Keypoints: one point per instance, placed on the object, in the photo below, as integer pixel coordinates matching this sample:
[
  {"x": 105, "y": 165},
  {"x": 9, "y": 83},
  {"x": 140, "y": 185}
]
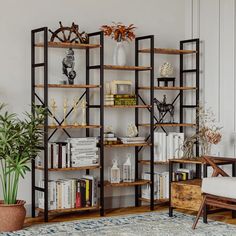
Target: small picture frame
[{"x": 121, "y": 87}]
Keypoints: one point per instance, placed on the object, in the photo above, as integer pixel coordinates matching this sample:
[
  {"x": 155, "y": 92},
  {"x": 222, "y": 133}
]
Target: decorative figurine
[
  {"x": 65, "y": 106},
  {"x": 166, "y": 70},
  {"x": 83, "y": 107},
  {"x": 115, "y": 173},
  {"x": 75, "y": 111},
  {"x": 53, "y": 107},
  {"x": 69, "y": 63},
  {"x": 127, "y": 170},
  {"x": 163, "y": 108},
  {"x": 132, "y": 131},
  {"x": 166, "y": 74}
]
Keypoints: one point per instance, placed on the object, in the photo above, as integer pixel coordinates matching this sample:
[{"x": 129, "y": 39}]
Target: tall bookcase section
[
  {"x": 50, "y": 130},
  {"x": 156, "y": 123},
  {"x": 138, "y": 182}
]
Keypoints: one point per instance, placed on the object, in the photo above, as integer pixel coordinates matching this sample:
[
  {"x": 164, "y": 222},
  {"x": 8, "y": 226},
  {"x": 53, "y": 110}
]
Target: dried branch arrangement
[{"x": 119, "y": 31}]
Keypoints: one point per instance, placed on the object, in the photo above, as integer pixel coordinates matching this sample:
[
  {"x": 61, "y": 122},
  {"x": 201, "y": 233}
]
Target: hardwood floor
[{"x": 220, "y": 216}]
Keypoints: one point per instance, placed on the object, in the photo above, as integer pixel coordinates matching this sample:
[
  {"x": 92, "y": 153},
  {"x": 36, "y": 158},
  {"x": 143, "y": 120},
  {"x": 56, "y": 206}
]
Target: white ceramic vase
[{"x": 119, "y": 56}]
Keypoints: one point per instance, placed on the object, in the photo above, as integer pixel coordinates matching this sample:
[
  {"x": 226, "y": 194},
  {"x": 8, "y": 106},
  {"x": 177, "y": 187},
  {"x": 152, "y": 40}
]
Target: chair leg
[{"x": 199, "y": 212}]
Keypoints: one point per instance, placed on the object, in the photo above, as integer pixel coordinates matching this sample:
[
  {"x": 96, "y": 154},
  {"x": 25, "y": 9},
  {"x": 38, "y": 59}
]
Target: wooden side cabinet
[{"x": 186, "y": 194}]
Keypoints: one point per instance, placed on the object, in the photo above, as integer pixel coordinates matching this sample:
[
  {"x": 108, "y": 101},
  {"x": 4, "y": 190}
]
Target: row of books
[
  {"x": 161, "y": 185},
  {"x": 182, "y": 174},
  {"x": 83, "y": 151},
  {"x": 74, "y": 152},
  {"x": 70, "y": 193},
  {"x": 168, "y": 146},
  {"x": 120, "y": 99}
]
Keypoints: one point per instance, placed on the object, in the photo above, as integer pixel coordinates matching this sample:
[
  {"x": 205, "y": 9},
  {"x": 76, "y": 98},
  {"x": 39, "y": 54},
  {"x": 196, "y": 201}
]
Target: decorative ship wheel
[{"x": 68, "y": 34}]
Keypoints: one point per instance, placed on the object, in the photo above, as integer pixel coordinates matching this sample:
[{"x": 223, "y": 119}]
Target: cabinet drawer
[{"x": 186, "y": 194}]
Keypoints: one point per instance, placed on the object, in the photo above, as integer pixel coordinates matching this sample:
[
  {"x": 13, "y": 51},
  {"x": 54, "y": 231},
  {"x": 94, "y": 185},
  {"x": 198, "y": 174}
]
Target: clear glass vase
[
  {"x": 206, "y": 149},
  {"x": 119, "y": 55}
]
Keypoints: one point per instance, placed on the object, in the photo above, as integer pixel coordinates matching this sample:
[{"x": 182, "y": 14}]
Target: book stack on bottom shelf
[
  {"x": 70, "y": 193},
  {"x": 182, "y": 174},
  {"x": 161, "y": 186}
]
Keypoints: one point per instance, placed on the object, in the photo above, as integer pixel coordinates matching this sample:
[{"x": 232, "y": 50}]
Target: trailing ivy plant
[{"x": 20, "y": 141}]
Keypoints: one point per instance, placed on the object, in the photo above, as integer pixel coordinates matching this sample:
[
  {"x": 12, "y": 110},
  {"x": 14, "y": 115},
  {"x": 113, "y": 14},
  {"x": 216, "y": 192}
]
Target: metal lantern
[
  {"x": 115, "y": 173},
  {"x": 127, "y": 170}
]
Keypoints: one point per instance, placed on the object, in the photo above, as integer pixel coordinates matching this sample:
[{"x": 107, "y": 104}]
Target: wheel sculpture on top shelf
[{"x": 66, "y": 34}]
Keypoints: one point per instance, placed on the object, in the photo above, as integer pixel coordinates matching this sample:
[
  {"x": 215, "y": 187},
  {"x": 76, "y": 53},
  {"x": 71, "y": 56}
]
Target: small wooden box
[{"x": 186, "y": 194}]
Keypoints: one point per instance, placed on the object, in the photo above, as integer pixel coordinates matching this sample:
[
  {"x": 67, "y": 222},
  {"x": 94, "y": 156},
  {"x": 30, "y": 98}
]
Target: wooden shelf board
[
  {"x": 167, "y": 88},
  {"x": 69, "y": 209},
  {"x": 68, "y": 86},
  {"x": 169, "y": 125},
  {"x": 147, "y": 162},
  {"x": 198, "y": 160},
  {"x": 157, "y": 201},
  {"x": 194, "y": 182},
  {"x": 114, "y": 67},
  {"x": 126, "y": 184},
  {"x": 71, "y": 168},
  {"x": 127, "y": 106},
  {"x": 128, "y": 145},
  {"x": 68, "y": 45},
  {"x": 170, "y": 51},
  {"x": 73, "y": 126}
]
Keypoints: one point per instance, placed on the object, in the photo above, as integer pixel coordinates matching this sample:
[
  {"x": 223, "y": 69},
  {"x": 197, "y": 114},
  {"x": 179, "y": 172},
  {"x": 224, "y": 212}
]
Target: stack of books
[
  {"x": 168, "y": 146},
  {"x": 133, "y": 140},
  {"x": 110, "y": 138},
  {"x": 70, "y": 193},
  {"x": 83, "y": 151},
  {"x": 125, "y": 100},
  {"x": 182, "y": 174},
  {"x": 161, "y": 185},
  {"x": 109, "y": 99}
]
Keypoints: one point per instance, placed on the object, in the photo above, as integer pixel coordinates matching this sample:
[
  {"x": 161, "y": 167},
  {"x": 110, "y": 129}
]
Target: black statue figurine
[{"x": 68, "y": 63}]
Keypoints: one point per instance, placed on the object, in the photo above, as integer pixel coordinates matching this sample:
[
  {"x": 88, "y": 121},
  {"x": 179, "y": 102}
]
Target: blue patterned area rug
[{"x": 147, "y": 224}]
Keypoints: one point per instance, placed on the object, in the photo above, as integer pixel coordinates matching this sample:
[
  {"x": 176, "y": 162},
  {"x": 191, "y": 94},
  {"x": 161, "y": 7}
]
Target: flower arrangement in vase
[
  {"x": 209, "y": 133},
  {"x": 120, "y": 33}
]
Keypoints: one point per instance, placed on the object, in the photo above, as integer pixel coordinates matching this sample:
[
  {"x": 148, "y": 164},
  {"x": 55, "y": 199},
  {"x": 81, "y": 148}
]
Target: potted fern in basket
[{"x": 19, "y": 143}]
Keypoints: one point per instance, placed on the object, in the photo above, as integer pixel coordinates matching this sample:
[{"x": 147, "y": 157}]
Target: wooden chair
[{"x": 217, "y": 191}]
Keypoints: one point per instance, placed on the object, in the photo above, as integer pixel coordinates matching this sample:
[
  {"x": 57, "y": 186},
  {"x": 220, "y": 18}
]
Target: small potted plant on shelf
[
  {"x": 19, "y": 143},
  {"x": 120, "y": 33}
]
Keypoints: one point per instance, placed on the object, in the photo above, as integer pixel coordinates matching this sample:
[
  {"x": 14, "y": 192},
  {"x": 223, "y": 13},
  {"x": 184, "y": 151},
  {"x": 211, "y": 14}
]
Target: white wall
[
  {"x": 163, "y": 18},
  {"x": 214, "y": 22}
]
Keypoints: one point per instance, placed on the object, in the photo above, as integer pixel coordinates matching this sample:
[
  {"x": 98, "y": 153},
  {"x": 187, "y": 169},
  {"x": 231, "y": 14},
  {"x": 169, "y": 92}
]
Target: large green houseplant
[{"x": 20, "y": 140}]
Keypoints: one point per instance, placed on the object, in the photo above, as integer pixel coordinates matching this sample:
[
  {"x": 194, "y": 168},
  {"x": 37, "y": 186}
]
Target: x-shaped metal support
[{"x": 58, "y": 122}]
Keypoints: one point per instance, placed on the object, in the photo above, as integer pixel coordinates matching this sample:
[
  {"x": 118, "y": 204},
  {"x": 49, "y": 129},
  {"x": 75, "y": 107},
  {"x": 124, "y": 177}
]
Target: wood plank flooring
[{"x": 220, "y": 216}]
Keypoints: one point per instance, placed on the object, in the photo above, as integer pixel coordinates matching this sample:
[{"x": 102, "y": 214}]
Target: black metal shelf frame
[
  {"x": 150, "y": 38},
  {"x": 183, "y": 72},
  {"x": 44, "y": 103}
]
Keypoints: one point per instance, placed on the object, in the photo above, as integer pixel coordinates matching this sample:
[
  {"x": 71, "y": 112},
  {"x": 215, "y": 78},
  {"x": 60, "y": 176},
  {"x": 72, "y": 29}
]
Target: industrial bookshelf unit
[
  {"x": 158, "y": 123},
  {"x": 140, "y": 104},
  {"x": 35, "y": 98}
]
